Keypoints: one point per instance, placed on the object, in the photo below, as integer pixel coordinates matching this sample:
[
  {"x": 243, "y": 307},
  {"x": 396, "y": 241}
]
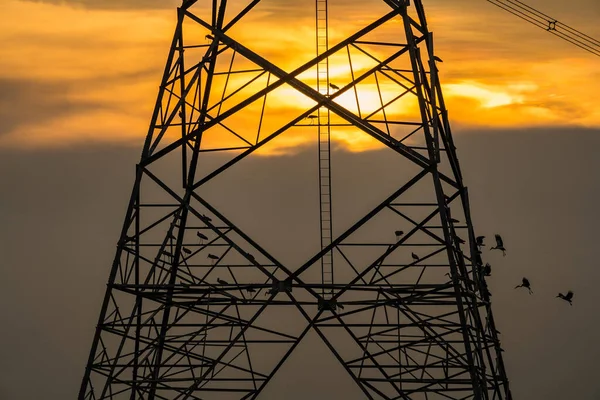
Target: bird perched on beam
[
  {"x": 186, "y": 250},
  {"x": 526, "y": 284},
  {"x": 499, "y": 244},
  {"x": 398, "y": 234},
  {"x": 415, "y": 257},
  {"x": 479, "y": 241},
  {"x": 201, "y": 236},
  {"x": 334, "y": 87},
  {"x": 487, "y": 269},
  {"x": 566, "y": 297},
  {"x": 222, "y": 282},
  {"x": 213, "y": 257}
]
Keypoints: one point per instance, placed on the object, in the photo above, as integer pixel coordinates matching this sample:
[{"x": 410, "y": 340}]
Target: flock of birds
[
  {"x": 487, "y": 268},
  {"x": 525, "y": 283}
]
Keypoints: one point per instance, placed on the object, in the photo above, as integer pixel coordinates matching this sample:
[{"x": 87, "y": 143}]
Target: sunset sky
[
  {"x": 78, "y": 83},
  {"x": 88, "y": 71}
]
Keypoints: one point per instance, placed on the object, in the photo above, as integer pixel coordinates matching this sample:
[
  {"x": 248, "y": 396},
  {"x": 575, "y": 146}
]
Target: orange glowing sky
[{"x": 75, "y": 73}]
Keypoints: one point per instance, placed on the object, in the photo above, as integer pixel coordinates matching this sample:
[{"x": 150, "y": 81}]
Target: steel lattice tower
[{"x": 191, "y": 307}]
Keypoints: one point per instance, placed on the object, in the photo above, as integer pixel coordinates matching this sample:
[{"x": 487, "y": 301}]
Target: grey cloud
[
  {"x": 61, "y": 212},
  {"x": 25, "y": 102},
  {"x": 114, "y": 4}
]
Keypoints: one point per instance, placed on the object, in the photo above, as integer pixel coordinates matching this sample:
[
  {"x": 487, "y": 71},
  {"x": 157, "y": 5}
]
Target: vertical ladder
[{"x": 324, "y": 128}]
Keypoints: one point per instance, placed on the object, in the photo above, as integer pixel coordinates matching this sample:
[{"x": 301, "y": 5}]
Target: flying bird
[
  {"x": 398, "y": 234},
  {"x": 566, "y": 297},
  {"x": 334, "y": 87},
  {"x": 499, "y": 244},
  {"x": 526, "y": 284},
  {"x": 415, "y": 257},
  {"x": 213, "y": 257},
  {"x": 222, "y": 282},
  {"x": 487, "y": 269},
  {"x": 479, "y": 241}
]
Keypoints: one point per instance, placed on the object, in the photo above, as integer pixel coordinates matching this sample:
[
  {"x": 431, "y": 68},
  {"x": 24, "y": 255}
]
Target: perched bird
[
  {"x": 222, "y": 282},
  {"x": 166, "y": 253},
  {"x": 340, "y": 305},
  {"x": 213, "y": 257},
  {"x": 334, "y": 87},
  {"x": 250, "y": 256},
  {"x": 205, "y": 218},
  {"x": 454, "y": 220},
  {"x": 566, "y": 297},
  {"x": 209, "y": 37},
  {"x": 251, "y": 289},
  {"x": 499, "y": 244},
  {"x": 436, "y": 58},
  {"x": 398, "y": 234},
  {"x": 487, "y": 269},
  {"x": 201, "y": 236},
  {"x": 415, "y": 257},
  {"x": 526, "y": 284},
  {"x": 270, "y": 291},
  {"x": 460, "y": 240},
  {"x": 478, "y": 259},
  {"x": 479, "y": 241},
  {"x": 186, "y": 250}
]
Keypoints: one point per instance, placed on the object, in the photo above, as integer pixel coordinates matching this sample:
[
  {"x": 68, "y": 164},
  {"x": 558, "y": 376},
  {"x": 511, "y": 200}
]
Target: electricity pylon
[{"x": 197, "y": 308}]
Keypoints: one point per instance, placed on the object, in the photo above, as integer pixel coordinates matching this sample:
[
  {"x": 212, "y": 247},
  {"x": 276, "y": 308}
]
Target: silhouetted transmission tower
[{"x": 196, "y": 308}]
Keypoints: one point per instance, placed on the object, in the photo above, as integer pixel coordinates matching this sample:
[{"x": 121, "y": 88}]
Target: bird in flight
[
  {"x": 567, "y": 297},
  {"x": 526, "y": 284},
  {"x": 499, "y": 244}
]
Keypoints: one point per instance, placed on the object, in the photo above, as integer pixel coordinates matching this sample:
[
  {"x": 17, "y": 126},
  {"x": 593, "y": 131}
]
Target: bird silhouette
[
  {"x": 526, "y": 284},
  {"x": 251, "y": 289},
  {"x": 454, "y": 220},
  {"x": 209, "y": 37},
  {"x": 460, "y": 240},
  {"x": 436, "y": 58},
  {"x": 567, "y": 297},
  {"x": 487, "y": 269},
  {"x": 201, "y": 236},
  {"x": 479, "y": 241},
  {"x": 186, "y": 250},
  {"x": 222, "y": 282},
  {"x": 340, "y": 305},
  {"x": 398, "y": 234},
  {"x": 213, "y": 257},
  {"x": 250, "y": 256},
  {"x": 334, "y": 87},
  {"x": 499, "y": 244},
  {"x": 415, "y": 257},
  {"x": 205, "y": 218}
]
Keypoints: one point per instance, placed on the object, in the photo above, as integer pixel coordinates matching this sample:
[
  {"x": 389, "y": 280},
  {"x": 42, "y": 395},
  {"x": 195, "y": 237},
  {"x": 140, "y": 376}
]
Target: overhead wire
[{"x": 549, "y": 24}]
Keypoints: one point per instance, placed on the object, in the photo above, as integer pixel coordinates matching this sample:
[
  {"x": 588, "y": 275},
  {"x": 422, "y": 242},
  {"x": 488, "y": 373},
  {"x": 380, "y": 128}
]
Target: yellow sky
[{"x": 77, "y": 74}]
